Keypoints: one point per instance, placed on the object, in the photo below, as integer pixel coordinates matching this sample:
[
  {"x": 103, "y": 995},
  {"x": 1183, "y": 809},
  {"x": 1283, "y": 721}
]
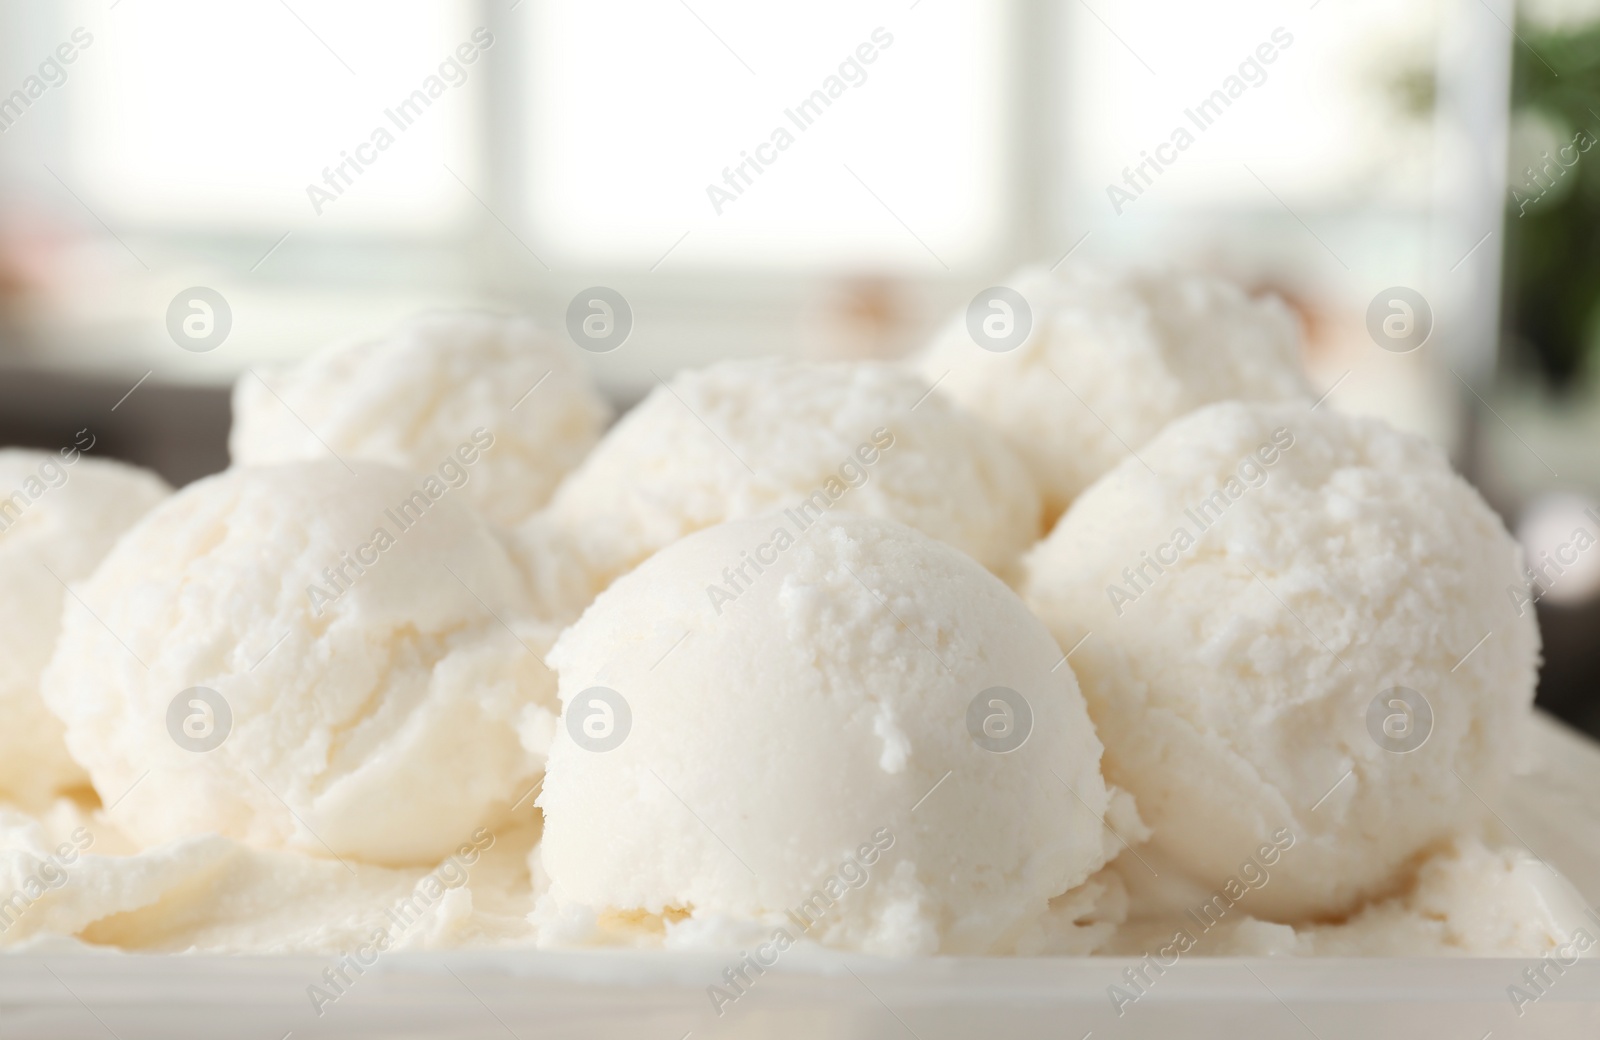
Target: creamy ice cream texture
[
  {"x": 410, "y": 398},
  {"x": 739, "y": 439},
  {"x": 798, "y": 705},
  {"x": 1469, "y": 899},
  {"x": 60, "y": 513},
  {"x": 306, "y": 657},
  {"x": 1110, "y": 360},
  {"x": 69, "y": 872},
  {"x": 838, "y": 694},
  {"x": 1293, "y": 626}
]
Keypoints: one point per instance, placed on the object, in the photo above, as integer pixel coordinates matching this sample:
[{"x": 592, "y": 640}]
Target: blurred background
[{"x": 327, "y": 168}]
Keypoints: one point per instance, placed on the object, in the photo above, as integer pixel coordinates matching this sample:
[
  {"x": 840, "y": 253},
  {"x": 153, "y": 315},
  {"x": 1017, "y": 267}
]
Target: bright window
[
  {"x": 195, "y": 115},
  {"x": 825, "y": 135}
]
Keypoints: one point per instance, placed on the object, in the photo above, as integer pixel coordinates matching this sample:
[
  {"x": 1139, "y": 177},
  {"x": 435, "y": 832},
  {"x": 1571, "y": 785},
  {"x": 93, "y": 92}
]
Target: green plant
[{"x": 1552, "y": 260}]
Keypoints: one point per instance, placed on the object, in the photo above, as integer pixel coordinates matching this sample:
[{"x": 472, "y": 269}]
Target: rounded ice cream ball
[
  {"x": 1298, "y": 644},
  {"x": 331, "y": 660},
  {"x": 743, "y": 438},
  {"x": 441, "y": 387},
  {"x": 864, "y": 738},
  {"x": 1108, "y": 360},
  {"x": 60, "y": 513}
]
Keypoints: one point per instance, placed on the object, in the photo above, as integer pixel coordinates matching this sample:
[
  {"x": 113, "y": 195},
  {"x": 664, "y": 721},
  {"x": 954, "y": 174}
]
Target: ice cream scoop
[
  {"x": 60, "y": 513},
  {"x": 738, "y": 439},
  {"x": 307, "y": 656},
  {"x": 409, "y": 399},
  {"x": 1294, "y": 633},
  {"x": 866, "y": 741},
  {"x": 1080, "y": 367}
]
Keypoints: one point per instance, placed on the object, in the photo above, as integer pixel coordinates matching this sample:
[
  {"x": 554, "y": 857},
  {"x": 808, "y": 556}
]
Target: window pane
[
  {"x": 641, "y": 113},
  {"x": 219, "y": 116},
  {"x": 1309, "y": 99}
]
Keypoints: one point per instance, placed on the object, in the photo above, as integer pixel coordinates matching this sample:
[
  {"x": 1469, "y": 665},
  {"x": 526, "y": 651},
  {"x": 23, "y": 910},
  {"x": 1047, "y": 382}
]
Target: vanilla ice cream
[
  {"x": 310, "y": 657},
  {"x": 1108, "y": 361},
  {"x": 1294, "y": 635},
  {"x": 70, "y": 873},
  {"x": 863, "y": 740},
  {"x": 1470, "y": 899},
  {"x": 60, "y": 513},
  {"x": 558, "y": 577},
  {"x": 1254, "y": 694},
  {"x": 739, "y": 439},
  {"x": 410, "y": 400}
]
